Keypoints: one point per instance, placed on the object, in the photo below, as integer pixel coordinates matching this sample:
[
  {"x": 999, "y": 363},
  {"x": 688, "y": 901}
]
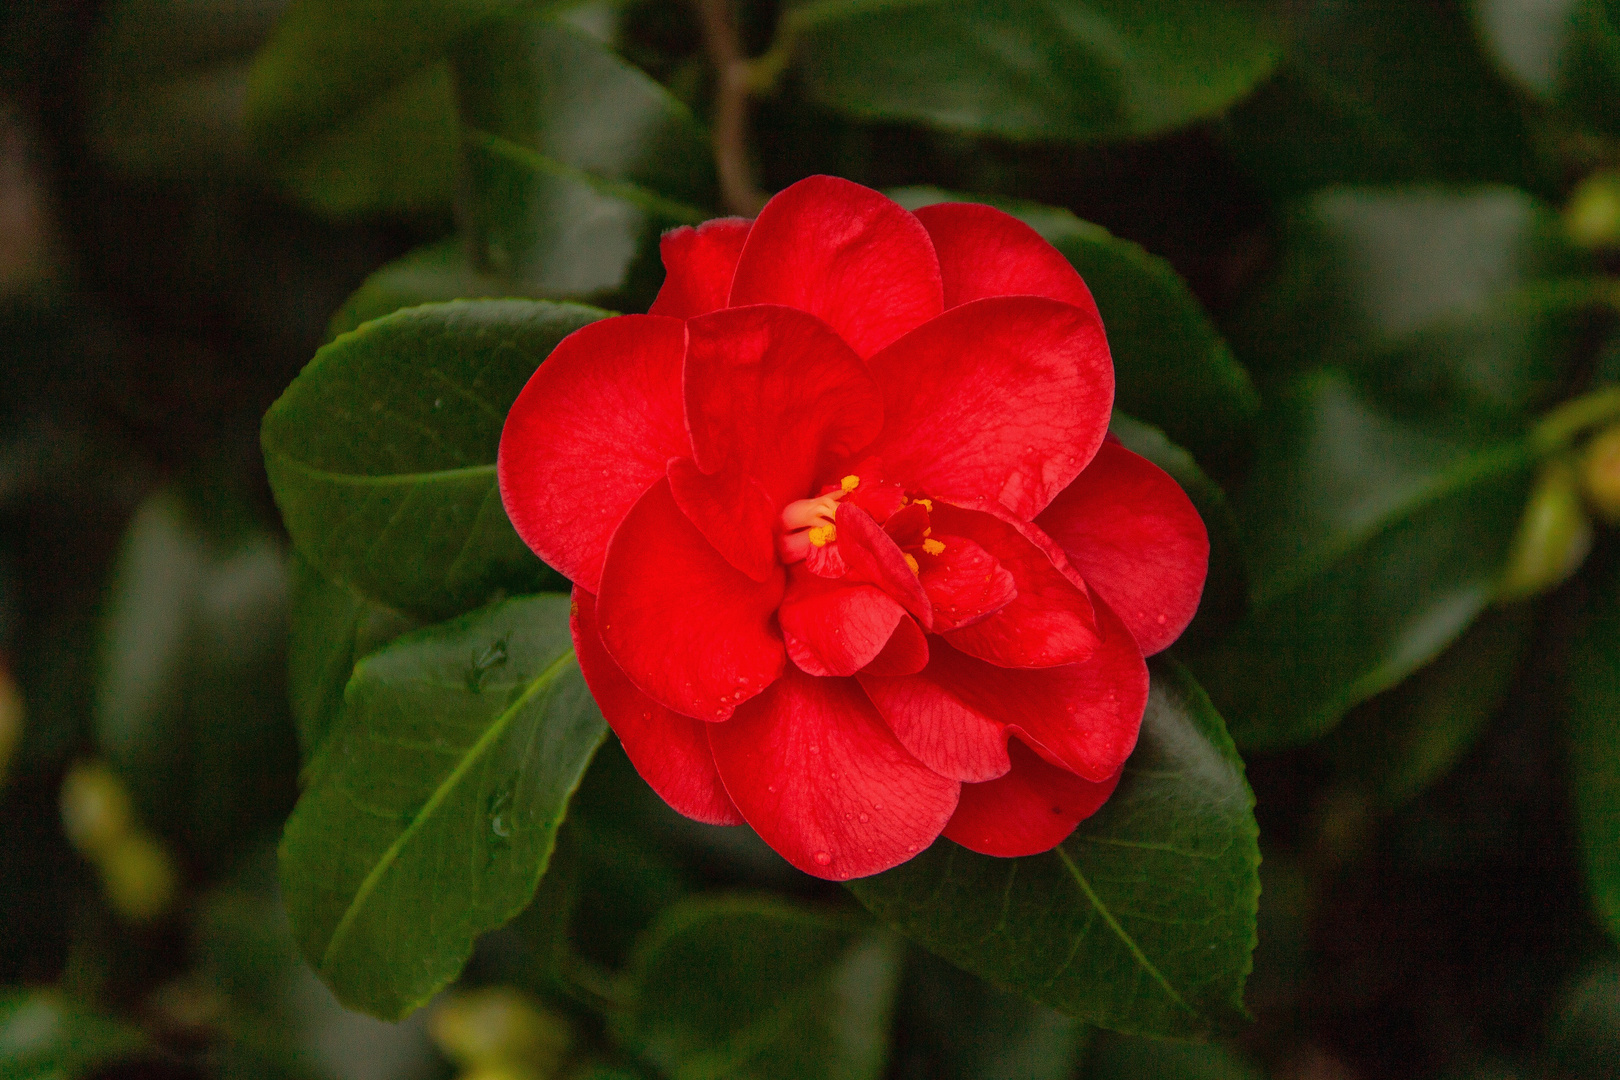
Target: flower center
[{"x": 812, "y": 523}]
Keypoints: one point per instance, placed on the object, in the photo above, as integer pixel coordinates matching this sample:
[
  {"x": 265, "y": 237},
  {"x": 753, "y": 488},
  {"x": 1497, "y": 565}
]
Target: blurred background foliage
[{"x": 1358, "y": 263}]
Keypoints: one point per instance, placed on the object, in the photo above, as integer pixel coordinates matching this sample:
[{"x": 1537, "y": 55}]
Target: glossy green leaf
[
  {"x": 1143, "y": 920},
  {"x": 1471, "y": 297},
  {"x": 1594, "y": 732},
  {"x": 191, "y": 698},
  {"x": 1564, "y": 51},
  {"x": 576, "y": 162},
  {"x": 1381, "y": 92},
  {"x": 44, "y": 1035},
  {"x": 1373, "y": 542},
  {"x": 332, "y": 628},
  {"x": 1399, "y": 743},
  {"x": 1171, "y": 367},
  {"x": 1026, "y": 69},
  {"x": 431, "y": 274},
  {"x": 433, "y": 811},
  {"x": 382, "y": 452},
  {"x": 757, "y": 989}
]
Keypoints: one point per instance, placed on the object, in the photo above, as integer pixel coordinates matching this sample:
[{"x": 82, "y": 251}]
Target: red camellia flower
[{"x": 853, "y": 559}]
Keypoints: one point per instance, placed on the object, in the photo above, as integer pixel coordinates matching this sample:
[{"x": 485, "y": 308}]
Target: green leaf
[
  {"x": 1171, "y": 367},
  {"x": 1401, "y": 742},
  {"x": 1378, "y": 92},
  {"x": 382, "y": 452},
  {"x": 1035, "y": 69},
  {"x": 757, "y": 988},
  {"x": 1143, "y": 921},
  {"x": 1594, "y": 732},
  {"x": 1373, "y": 542},
  {"x": 1470, "y": 297},
  {"x": 436, "y": 806},
  {"x": 576, "y": 162},
  {"x": 431, "y": 274},
  {"x": 1563, "y": 51},
  {"x": 191, "y": 698},
  {"x": 44, "y": 1035},
  {"x": 332, "y": 628}
]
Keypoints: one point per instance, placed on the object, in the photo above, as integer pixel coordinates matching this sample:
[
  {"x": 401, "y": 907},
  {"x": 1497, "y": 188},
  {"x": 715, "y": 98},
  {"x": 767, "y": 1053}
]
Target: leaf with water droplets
[{"x": 436, "y": 806}]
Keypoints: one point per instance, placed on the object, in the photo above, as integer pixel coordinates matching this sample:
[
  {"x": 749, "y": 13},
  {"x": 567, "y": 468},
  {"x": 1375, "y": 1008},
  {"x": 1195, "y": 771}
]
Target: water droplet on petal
[
  {"x": 865, "y": 818},
  {"x": 822, "y": 858},
  {"x": 815, "y": 749}
]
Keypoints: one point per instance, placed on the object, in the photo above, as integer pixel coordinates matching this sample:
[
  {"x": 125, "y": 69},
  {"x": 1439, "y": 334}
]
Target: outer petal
[
  {"x": 774, "y": 394},
  {"x": 1050, "y": 621},
  {"x": 698, "y": 266},
  {"x": 986, "y": 252},
  {"x": 593, "y": 429},
  {"x": 822, "y": 780},
  {"x": 1133, "y": 534},
  {"x": 689, "y": 629},
  {"x": 845, "y": 254},
  {"x": 1030, "y": 810},
  {"x": 1006, "y": 399},
  {"x": 957, "y": 713},
  {"x": 670, "y": 751},
  {"x": 831, "y": 628}
]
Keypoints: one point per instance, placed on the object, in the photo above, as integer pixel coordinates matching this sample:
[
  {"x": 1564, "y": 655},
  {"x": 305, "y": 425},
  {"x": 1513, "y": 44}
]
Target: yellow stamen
[
  {"x": 850, "y": 483},
  {"x": 933, "y": 547},
  {"x": 926, "y": 504},
  {"x": 822, "y": 535},
  {"x": 911, "y": 562}
]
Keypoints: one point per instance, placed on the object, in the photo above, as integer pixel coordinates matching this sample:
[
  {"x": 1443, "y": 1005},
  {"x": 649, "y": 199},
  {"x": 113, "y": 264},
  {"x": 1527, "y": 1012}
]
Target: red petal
[
  {"x": 689, "y": 629},
  {"x": 832, "y": 628},
  {"x": 1133, "y": 534},
  {"x": 823, "y": 781},
  {"x": 1030, "y": 810},
  {"x": 1004, "y": 399},
  {"x": 956, "y": 714},
  {"x": 670, "y": 751},
  {"x": 774, "y": 394},
  {"x": 1050, "y": 620},
  {"x": 987, "y": 252},
  {"x": 594, "y": 428},
  {"x": 845, "y": 254},
  {"x": 732, "y": 511},
  {"x": 965, "y": 583},
  {"x": 873, "y": 556},
  {"x": 905, "y": 654},
  {"x": 698, "y": 266}
]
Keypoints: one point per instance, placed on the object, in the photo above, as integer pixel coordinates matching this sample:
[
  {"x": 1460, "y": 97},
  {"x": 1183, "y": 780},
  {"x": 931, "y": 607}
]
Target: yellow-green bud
[
  {"x": 95, "y": 809},
  {"x": 1592, "y": 218},
  {"x": 1553, "y": 538},
  {"x": 1600, "y": 475},
  {"x": 499, "y": 1028},
  {"x": 11, "y": 720},
  {"x": 139, "y": 878}
]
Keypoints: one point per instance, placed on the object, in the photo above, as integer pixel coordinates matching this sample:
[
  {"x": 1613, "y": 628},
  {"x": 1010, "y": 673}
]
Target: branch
[{"x": 733, "y": 77}]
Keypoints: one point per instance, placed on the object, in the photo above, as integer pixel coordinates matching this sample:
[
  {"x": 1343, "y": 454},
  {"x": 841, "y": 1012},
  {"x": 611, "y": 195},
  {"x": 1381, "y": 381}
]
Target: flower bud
[
  {"x": 1592, "y": 218},
  {"x": 95, "y": 809},
  {"x": 11, "y": 720},
  {"x": 1553, "y": 538},
  {"x": 497, "y": 1030},
  {"x": 139, "y": 878},
  {"x": 1600, "y": 475}
]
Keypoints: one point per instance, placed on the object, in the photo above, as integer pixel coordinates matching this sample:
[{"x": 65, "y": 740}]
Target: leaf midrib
[
  {"x": 380, "y": 479},
  {"x": 374, "y": 877},
  {"x": 624, "y": 190}
]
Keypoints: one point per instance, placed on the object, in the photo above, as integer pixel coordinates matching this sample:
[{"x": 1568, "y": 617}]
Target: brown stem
[{"x": 737, "y": 188}]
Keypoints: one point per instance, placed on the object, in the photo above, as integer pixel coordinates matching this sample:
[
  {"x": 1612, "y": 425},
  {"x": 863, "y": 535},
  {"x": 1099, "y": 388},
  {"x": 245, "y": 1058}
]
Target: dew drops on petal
[
  {"x": 822, "y": 858},
  {"x": 865, "y": 818}
]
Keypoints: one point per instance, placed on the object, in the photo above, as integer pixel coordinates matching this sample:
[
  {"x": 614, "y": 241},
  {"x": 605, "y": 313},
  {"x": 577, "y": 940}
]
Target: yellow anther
[
  {"x": 822, "y": 535},
  {"x": 926, "y": 504},
  {"x": 928, "y": 531},
  {"x": 911, "y": 562},
  {"x": 850, "y": 483},
  {"x": 933, "y": 547}
]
